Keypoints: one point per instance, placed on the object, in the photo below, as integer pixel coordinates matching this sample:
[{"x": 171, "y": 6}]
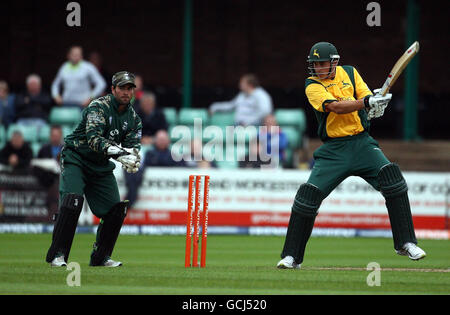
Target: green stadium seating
[
  {"x": 171, "y": 115},
  {"x": 227, "y": 164},
  {"x": 187, "y": 115},
  {"x": 291, "y": 117},
  {"x": 44, "y": 134},
  {"x": 2, "y": 136},
  {"x": 293, "y": 135},
  {"x": 35, "y": 147},
  {"x": 65, "y": 116},
  {"x": 29, "y": 133},
  {"x": 222, "y": 119},
  {"x": 67, "y": 130}
]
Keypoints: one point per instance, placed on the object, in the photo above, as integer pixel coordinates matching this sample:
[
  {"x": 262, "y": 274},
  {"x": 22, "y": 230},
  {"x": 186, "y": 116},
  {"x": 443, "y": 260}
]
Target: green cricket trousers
[
  {"x": 340, "y": 158},
  {"x": 99, "y": 187}
]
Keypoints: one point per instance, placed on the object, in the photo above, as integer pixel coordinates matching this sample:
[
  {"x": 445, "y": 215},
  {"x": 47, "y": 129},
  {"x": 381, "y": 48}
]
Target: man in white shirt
[
  {"x": 251, "y": 105},
  {"x": 80, "y": 80}
]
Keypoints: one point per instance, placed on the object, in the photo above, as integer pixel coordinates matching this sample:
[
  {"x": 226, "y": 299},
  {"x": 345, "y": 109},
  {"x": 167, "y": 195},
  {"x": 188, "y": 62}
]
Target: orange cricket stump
[
  {"x": 187, "y": 260},
  {"x": 205, "y": 222},
  {"x": 195, "y": 220}
]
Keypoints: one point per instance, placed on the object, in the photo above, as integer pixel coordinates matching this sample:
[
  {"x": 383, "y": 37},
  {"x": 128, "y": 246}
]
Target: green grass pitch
[{"x": 235, "y": 265}]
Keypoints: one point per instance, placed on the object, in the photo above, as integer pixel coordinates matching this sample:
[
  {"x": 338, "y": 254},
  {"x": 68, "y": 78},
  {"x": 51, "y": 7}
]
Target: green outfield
[{"x": 235, "y": 265}]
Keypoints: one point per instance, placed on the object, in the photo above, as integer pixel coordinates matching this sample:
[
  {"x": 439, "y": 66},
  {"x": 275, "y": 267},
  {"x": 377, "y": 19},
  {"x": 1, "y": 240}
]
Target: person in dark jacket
[
  {"x": 16, "y": 153},
  {"x": 33, "y": 106},
  {"x": 53, "y": 148},
  {"x": 161, "y": 154},
  {"x": 152, "y": 117}
]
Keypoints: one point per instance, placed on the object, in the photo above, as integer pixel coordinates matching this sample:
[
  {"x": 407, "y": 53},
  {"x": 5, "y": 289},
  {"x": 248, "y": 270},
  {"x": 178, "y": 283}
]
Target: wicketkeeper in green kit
[
  {"x": 344, "y": 105},
  {"x": 109, "y": 128}
]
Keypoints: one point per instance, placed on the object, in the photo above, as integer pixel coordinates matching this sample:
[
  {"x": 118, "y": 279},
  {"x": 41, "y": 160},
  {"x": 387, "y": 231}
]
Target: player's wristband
[{"x": 366, "y": 102}]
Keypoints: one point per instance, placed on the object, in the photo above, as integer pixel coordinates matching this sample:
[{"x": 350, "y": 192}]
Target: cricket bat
[{"x": 399, "y": 66}]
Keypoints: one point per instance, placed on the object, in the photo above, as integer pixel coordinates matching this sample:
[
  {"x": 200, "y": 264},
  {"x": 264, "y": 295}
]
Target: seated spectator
[
  {"x": 33, "y": 106},
  {"x": 51, "y": 150},
  {"x": 7, "y": 111},
  {"x": 195, "y": 157},
  {"x": 161, "y": 154},
  {"x": 80, "y": 80},
  {"x": 152, "y": 117},
  {"x": 273, "y": 137},
  {"x": 251, "y": 105},
  {"x": 253, "y": 158},
  {"x": 16, "y": 153}
]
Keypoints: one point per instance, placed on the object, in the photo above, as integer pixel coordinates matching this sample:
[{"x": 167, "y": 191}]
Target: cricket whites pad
[
  {"x": 108, "y": 232},
  {"x": 65, "y": 226},
  {"x": 395, "y": 190},
  {"x": 304, "y": 211}
]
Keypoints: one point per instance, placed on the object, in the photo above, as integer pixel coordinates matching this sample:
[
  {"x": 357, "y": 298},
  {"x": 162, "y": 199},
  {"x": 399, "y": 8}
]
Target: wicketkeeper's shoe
[
  {"x": 288, "y": 262},
  {"x": 411, "y": 250},
  {"x": 58, "y": 262}
]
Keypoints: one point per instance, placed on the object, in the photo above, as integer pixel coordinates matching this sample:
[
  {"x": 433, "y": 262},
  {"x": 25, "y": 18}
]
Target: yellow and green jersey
[{"x": 346, "y": 85}]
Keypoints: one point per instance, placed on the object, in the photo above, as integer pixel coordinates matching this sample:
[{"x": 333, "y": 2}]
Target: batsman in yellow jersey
[{"x": 344, "y": 105}]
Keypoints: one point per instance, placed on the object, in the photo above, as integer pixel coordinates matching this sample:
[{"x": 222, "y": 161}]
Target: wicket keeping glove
[
  {"x": 376, "y": 104},
  {"x": 129, "y": 158}
]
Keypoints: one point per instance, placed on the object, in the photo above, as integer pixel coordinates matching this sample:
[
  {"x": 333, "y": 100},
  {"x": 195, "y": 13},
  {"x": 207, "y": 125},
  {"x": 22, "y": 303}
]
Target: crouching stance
[
  {"x": 344, "y": 105},
  {"x": 110, "y": 128}
]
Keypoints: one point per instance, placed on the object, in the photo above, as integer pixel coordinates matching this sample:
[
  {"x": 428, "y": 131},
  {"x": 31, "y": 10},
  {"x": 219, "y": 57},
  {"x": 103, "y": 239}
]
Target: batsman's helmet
[{"x": 322, "y": 51}]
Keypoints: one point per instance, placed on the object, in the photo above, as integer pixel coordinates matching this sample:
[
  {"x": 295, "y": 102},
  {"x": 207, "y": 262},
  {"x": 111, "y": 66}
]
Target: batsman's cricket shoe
[
  {"x": 107, "y": 262},
  {"x": 111, "y": 263},
  {"x": 288, "y": 263},
  {"x": 58, "y": 262},
  {"x": 411, "y": 250}
]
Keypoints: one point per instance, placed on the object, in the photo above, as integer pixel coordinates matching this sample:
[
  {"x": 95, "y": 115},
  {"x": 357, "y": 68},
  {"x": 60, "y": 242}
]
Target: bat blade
[{"x": 399, "y": 66}]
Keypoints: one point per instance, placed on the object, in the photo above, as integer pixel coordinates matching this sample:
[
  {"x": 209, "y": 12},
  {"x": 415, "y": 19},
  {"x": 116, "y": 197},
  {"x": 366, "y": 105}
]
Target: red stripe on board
[{"x": 266, "y": 218}]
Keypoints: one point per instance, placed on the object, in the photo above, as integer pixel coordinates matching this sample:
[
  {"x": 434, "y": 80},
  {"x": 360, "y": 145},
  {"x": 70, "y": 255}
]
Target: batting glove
[{"x": 376, "y": 104}]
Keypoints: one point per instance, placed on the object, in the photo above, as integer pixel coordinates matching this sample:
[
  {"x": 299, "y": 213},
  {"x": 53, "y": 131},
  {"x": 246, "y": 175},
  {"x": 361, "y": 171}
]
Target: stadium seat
[
  {"x": 29, "y": 133},
  {"x": 222, "y": 119},
  {"x": 293, "y": 135},
  {"x": 67, "y": 130},
  {"x": 44, "y": 134},
  {"x": 35, "y": 147},
  {"x": 187, "y": 115},
  {"x": 227, "y": 164},
  {"x": 65, "y": 116},
  {"x": 171, "y": 115},
  {"x": 291, "y": 117},
  {"x": 2, "y": 136}
]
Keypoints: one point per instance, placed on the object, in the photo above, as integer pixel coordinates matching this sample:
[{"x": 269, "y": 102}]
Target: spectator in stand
[
  {"x": 161, "y": 154},
  {"x": 152, "y": 117},
  {"x": 273, "y": 137},
  {"x": 253, "y": 158},
  {"x": 33, "y": 106},
  {"x": 97, "y": 60},
  {"x": 52, "y": 149},
  {"x": 251, "y": 105},
  {"x": 16, "y": 153},
  {"x": 76, "y": 76},
  {"x": 196, "y": 158},
  {"x": 7, "y": 110}
]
